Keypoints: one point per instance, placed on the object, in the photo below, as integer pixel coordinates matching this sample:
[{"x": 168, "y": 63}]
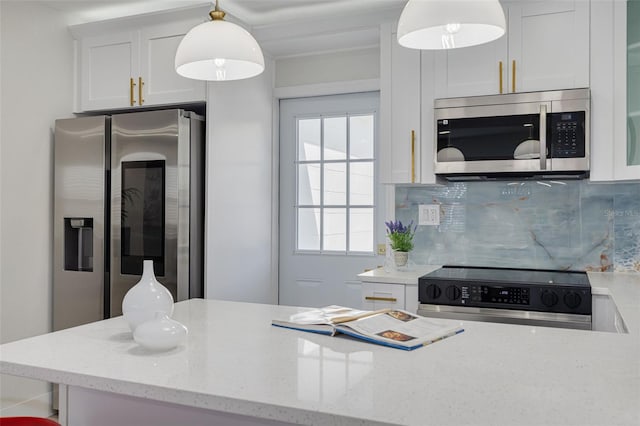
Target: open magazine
[{"x": 388, "y": 327}]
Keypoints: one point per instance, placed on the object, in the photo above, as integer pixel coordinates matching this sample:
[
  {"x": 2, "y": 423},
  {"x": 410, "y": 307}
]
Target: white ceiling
[
  {"x": 252, "y": 12},
  {"x": 282, "y": 27}
]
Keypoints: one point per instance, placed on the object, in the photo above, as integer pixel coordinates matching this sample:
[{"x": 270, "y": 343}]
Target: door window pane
[
  {"x": 309, "y": 184},
  {"x": 335, "y": 229},
  {"x": 335, "y": 138},
  {"x": 361, "y": 230},
  {"x": 309, "y": 139},
  {"x": 361, "y": 133},
  {"x": 335, "y": 172},
  {"x": 335, "y": 184},
  {"x": 361, "y": 184},
  {"x": 308, "y": 229}
]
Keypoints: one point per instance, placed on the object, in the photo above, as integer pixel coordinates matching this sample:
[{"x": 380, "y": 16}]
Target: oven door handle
[{"x": 543, "y": 137}]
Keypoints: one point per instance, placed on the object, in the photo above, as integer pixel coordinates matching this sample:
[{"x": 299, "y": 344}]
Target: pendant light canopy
[
  {"x": 449, "y": 24},
  {"x": 218, "y": 51}
]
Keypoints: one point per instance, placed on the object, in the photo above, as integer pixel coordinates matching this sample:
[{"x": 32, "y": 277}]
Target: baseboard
[{"x": 39, "y": 406}]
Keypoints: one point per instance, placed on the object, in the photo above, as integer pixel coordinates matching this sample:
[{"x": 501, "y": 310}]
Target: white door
[{"x": 328, "y": 185}]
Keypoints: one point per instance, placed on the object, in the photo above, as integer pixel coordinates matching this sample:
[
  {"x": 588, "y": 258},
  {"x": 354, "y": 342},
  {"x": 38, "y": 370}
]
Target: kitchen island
[{"x": 239, "y": 370}]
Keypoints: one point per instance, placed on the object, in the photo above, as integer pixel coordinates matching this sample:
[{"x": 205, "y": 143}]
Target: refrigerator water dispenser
[{"x": 78, "y": 244}]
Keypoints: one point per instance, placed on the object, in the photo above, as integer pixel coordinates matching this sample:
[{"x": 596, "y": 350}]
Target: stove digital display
[{"x": 507, "y": 295}]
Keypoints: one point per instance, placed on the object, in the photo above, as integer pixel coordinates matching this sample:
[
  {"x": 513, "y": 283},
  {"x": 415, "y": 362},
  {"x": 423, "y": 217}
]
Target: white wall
[
  {"x": 36, "y": 59},
  {"x": 360, "y": 64},
  {"x": 240, "y": 246}
]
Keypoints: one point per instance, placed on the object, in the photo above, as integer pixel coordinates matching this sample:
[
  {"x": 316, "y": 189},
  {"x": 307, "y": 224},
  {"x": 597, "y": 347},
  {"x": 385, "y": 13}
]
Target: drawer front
[
  {"x": 411, "y": 298},
  {"x": 380, "y": 296}
]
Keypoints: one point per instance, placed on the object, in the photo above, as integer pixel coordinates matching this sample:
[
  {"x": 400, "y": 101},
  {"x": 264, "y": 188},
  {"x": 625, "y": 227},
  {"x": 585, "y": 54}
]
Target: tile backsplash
[{"x": 564, "y": 225}]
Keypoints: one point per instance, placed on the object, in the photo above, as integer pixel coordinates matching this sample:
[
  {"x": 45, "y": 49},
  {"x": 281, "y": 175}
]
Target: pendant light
[
  {"x": 450, "y": 24},
  {"x": 218, "y": 51}
]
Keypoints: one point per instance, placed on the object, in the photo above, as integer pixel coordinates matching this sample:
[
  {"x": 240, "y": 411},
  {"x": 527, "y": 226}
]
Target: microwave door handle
[{"x": 543, "y": 137}]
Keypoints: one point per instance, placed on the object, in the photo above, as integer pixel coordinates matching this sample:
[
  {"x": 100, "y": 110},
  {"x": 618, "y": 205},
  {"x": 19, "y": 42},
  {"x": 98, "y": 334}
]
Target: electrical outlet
[
  {"x": 382, "y": 249},
  {"x": 429, "y": 214}
]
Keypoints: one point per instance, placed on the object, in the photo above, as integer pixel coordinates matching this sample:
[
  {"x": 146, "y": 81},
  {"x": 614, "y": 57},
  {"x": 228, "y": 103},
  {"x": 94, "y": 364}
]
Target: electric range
[{"x": 515, "y": 296}]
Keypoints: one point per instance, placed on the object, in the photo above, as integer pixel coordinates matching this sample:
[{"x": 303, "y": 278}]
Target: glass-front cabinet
[
  {"x": 625, "y": 82},
  {"x": 633, "y": 83}
]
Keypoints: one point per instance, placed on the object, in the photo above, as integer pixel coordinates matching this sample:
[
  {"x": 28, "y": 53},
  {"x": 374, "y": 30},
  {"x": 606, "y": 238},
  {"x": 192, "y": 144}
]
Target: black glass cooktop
[{"x": 511, "y": 276}]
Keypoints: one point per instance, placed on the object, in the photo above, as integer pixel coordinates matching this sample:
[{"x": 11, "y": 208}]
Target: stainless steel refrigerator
[{"x": 128, "y": 187}]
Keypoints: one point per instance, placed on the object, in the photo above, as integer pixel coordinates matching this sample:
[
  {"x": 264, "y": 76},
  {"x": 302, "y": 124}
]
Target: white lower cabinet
[
  {"x": 380, "y": 296},
  {"x": 384, "y": 295}
]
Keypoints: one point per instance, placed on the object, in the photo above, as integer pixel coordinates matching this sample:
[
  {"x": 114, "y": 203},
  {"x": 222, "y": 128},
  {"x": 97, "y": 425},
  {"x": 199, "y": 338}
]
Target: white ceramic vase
[
  {"x": 147, "y": 297},
  {"x": 160, "y": 334},
  {"x": 400, "y": 257}
]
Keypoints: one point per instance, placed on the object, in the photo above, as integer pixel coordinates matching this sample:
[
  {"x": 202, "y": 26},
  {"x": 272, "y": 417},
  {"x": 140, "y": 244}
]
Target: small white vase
[
  {"x": 160, "y": 334},
  {"x": 400, "y": 257},
  {"x": 147, "y": 297}
]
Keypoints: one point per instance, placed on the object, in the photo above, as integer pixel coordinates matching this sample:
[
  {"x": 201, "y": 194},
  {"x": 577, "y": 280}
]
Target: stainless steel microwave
[{"x": 533, "y": 134}]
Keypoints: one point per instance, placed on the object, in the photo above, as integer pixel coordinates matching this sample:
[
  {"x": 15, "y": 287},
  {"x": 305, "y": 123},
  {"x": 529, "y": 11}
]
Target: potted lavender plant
[{"x": 401, "y": 238}]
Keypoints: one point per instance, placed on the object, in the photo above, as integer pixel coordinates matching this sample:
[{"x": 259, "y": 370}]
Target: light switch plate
[{"x": 429, "y": 214}]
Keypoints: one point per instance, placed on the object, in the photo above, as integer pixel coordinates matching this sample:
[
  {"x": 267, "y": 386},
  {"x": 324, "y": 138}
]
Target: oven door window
[{"x": 143, "y": 216}]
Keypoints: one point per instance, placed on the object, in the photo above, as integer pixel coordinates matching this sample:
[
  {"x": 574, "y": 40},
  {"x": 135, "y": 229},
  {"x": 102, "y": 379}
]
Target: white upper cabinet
[
  {"x": 162, "y": 83},
  {"x": 549, "y": 44},
  {"x": 472, "y": 71},
  {"x": 546, "y": 47},
  {"x": 107, "y": 66},
  {"x": 405, "y": 157},
  {"x": 124, "y": 69}
]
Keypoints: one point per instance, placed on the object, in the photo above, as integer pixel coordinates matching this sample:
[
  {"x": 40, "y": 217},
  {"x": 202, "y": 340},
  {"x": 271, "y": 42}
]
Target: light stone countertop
[
  {"x": 235, "y": 361},
  {"x": 408, "y": 275}
]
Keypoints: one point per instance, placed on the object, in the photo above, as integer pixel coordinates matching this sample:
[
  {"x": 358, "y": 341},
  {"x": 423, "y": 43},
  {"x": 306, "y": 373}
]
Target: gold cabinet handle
[
  {"x": 500, "y": 70},
  {"x": 381, "y": 299},
  {"x": 140, "y": 84},
  {"x": 413, "y": 156},
  {"x": 513, "y": 73},
  {"x": 131, "y": 86}
]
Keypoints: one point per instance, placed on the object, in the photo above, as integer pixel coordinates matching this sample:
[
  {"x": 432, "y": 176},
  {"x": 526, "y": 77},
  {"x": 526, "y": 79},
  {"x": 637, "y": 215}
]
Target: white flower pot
[{"x": 400, "y": 257}]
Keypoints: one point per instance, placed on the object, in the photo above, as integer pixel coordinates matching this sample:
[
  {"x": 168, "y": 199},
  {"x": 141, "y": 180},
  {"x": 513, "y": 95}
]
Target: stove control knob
[
  {"x": 453, "y": 292},
  {"x": 548, "y": 298},
  {"x": 572, "y": 299},
  {"x": 433, "y": 291}
]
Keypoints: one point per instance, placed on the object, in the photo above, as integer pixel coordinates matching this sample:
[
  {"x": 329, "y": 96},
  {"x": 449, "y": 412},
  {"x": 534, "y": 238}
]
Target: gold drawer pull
[
  {"x": 381, "y": 299},
  {"x": 513, "y": 72},
  {"x": 140, "y": 84},
  {"x": 131, "y": 86},
  {"x": 413, "y": 156},
  {"x": 500, "y": 69}
]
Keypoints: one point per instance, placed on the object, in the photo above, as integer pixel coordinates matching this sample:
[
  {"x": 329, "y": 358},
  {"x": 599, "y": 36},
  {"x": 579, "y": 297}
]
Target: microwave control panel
[{"x": 568, "y": 139}]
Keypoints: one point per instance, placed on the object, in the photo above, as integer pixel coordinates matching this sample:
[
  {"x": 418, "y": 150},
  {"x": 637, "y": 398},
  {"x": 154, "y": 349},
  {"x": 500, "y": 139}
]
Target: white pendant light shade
[
  {"x": 219, "y": 51},
  {"x": 450, "y": 24}
]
